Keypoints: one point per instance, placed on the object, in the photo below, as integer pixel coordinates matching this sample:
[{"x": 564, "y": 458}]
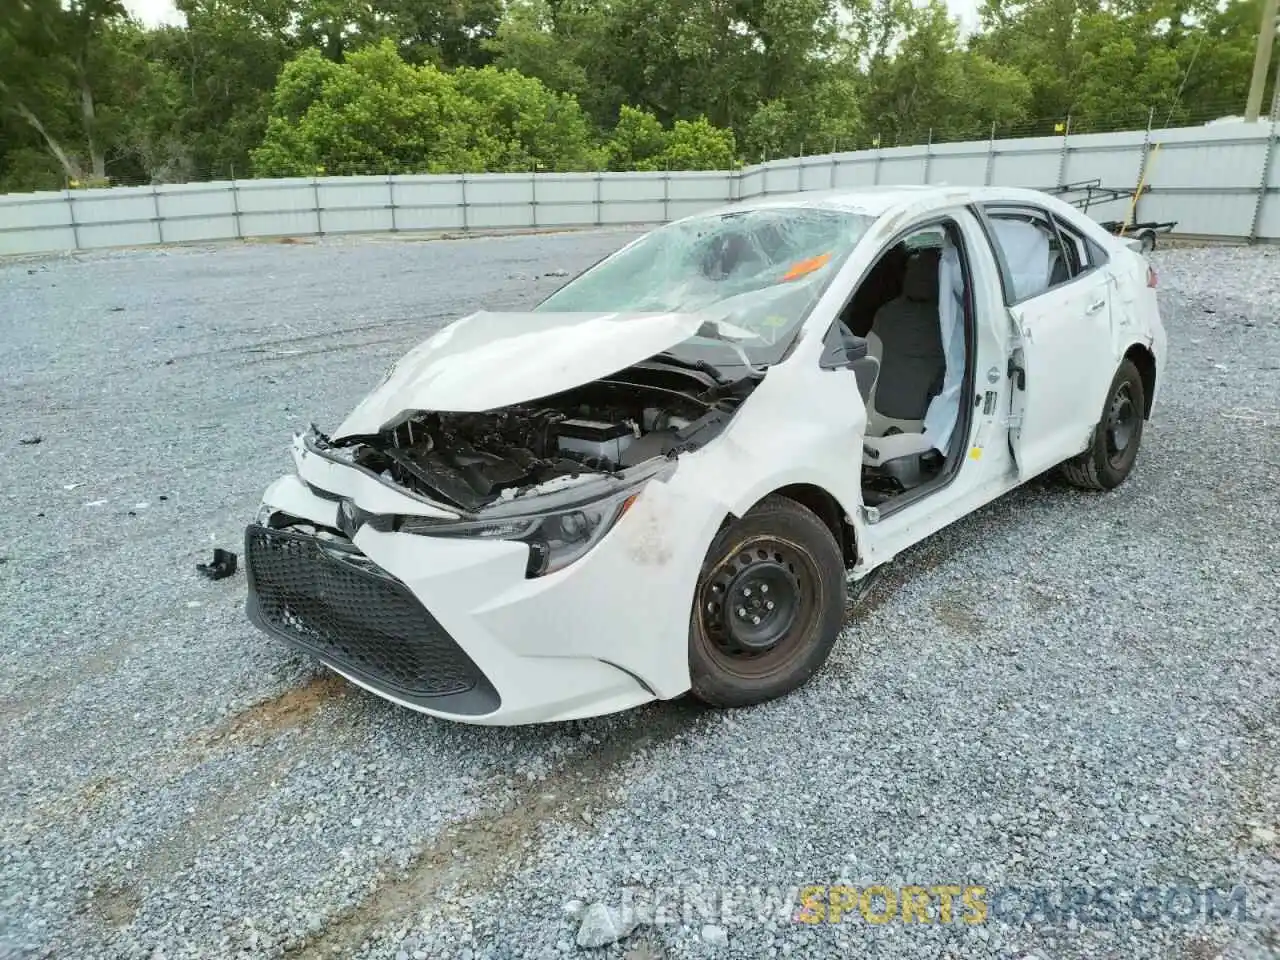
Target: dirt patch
[
  {"x": 218, "y": 809},
  {"x": 114, "y": 905},
  {"x": 645, "y": 950},
  {"x": 953, "y": 610},
  {"x": 214, "y": 816},
  {"x": 1041, "y": 600},
  {"x": 477, "y": 854},
  {"x": 286, "y": 711},
  {"x": 91, "y": 793},
  {"x": 1197, "y": 948}
]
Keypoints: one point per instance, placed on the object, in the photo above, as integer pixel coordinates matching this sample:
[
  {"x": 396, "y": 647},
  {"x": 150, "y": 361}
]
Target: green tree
[
  {"x": 1040, "y": 39},
  {"x": 52, "y": 60},
  {"x": 1108, "y": 65},
  {"x": 227, "y": 58},
  {"x": 830, "y": 118},
  {"x": 679, "y": 61},
  {"x": 448, "y": 33},
  {"x": 932, "y": 87},
  {"x": 1120, "y": 85},
  {"x": 376, "y": 113},
  {"x": 563, "y": 44},
  {"x": 338, "y": 27},
  {"x": 375, "y": 85},
  {"x": 141, "y": 111},
  {"x": 373, "y": 114},
  {"x": 697, "y": 145},
  {"x": 531, "y": 126},
  {"x": 638, "y": 141}
]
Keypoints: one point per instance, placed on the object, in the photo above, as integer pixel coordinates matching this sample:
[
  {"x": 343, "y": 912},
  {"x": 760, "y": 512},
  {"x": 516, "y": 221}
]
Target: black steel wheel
[
  {"x": 1110, "y": 457},
  {"x": 1120, "y": 427},
  {"x": 768, "y": 606}
]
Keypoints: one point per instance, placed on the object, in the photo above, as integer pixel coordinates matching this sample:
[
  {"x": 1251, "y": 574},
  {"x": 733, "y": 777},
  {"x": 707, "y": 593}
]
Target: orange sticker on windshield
[{"x": 807, "y": 266}]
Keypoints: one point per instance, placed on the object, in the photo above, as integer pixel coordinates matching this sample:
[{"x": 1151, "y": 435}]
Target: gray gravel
[{"x": 1061, "y": 690}]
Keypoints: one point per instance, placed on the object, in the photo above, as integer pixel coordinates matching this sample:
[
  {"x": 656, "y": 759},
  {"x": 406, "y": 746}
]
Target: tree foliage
[
  {"x": 377, "y": 113},
  {"x": 268, "y": 87},
  {"x": 639, "y": 142}
]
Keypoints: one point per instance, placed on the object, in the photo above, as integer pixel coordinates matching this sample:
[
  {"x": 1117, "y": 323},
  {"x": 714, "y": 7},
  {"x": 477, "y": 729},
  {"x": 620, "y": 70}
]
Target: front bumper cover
[
  {"x": 607, "y": 633},
  {"x": 327, "y": 600}
]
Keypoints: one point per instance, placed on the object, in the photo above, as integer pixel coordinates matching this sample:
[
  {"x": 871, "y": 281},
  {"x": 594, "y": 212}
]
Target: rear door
[{"x": 1060, "y": 351}]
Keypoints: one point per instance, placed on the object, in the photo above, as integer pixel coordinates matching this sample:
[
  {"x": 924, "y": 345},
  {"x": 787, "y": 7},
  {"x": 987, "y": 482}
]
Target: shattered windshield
[{"x": 758, "y": 270}]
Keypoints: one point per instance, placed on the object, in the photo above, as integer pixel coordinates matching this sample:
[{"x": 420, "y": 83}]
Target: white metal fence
[{"x": 1216, "y": 181}]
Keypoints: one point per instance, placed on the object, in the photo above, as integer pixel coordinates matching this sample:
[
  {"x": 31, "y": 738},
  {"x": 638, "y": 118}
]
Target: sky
[{"x": 162, "y": 11}]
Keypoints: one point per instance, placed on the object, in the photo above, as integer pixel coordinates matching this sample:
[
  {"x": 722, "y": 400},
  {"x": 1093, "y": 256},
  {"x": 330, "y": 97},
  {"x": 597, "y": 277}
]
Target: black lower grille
[{"x": 330, "y": 600}]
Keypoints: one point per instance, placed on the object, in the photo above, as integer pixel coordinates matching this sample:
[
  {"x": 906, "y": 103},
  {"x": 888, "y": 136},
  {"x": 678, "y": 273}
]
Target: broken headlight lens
[{"x": 555, "y": 539}]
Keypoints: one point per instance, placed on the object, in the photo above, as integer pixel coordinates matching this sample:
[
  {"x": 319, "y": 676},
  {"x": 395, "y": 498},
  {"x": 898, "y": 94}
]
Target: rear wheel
[
  {"x": 1110, "y": 457},
  {"x": 768, "y": 607}
]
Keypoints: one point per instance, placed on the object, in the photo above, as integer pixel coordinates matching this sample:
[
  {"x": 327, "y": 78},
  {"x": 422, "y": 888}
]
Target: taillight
[{"x": 1151, "y": 275}]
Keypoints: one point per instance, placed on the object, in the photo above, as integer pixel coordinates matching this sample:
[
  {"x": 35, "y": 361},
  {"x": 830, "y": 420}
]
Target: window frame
[
  {"x": 1095, "y": 257},
  {"x": 949, "y": 225},
  {"x": 988, "y": 211},
  {"x": 967, "y": 251}
]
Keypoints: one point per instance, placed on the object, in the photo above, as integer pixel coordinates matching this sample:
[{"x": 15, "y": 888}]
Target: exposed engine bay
[{"x": 471, "y": 460}]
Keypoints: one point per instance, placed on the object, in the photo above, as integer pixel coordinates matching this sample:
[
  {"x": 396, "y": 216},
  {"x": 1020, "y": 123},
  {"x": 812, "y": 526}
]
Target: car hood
[{"x": 489, "y": 360}]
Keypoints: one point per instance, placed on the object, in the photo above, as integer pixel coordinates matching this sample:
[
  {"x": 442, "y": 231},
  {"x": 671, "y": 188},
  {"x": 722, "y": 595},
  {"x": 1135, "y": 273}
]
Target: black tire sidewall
[
  {"x": 1112, "y": 475},
  {"x": 775, "y": 516}
]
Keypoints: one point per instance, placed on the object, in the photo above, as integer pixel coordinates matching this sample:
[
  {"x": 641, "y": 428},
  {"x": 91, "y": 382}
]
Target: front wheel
[
  {"x": 1111, "y": 454},
  {"x": 768, "y": 607}
]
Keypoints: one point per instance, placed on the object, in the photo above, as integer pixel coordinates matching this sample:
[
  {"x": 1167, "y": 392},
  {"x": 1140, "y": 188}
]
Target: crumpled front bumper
[
  {"x": 330, "y": 601},
  {"x": 452, "y": 627}
]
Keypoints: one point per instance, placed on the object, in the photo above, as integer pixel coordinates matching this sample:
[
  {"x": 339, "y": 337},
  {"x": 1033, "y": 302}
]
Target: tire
[
  {"x": 1114, "y": 447},
  {"x": 1147, "y": 240},
  {"x": 786, "y": 573}
]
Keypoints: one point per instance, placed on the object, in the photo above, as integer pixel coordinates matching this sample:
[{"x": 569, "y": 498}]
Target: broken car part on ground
[{"x": 222, "y": 565}]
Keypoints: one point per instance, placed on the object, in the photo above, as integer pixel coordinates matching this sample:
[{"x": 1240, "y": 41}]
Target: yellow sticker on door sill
[{"x": 975, "y": 453}]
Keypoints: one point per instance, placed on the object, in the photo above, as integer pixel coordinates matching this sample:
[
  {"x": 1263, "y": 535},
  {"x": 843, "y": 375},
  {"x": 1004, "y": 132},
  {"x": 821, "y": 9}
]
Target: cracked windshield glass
[{"x": 759, "y": 271}]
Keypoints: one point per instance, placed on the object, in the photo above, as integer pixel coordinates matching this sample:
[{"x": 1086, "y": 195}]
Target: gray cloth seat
[{"x": 906, "y": 337}]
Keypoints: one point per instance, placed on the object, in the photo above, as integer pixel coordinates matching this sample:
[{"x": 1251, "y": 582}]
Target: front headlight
[{"x": 555, "y": 538}]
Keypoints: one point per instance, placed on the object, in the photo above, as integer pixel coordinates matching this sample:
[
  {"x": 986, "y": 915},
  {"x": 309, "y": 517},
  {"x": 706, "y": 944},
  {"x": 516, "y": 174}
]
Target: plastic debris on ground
[{"x": 222, "y": 565}]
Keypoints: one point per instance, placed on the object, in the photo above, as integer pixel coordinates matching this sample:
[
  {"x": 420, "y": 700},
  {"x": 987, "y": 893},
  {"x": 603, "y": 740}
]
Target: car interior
[
  {"x": 1039, "y": 254},
  {"x": 911, "y": 309}
]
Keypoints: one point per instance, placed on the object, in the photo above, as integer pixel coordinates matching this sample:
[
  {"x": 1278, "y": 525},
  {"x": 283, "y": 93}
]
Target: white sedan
[{"x": 663, "y": 477}]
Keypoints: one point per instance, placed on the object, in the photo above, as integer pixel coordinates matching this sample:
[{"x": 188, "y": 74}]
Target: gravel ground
[{"x": 1061, "y": 691}]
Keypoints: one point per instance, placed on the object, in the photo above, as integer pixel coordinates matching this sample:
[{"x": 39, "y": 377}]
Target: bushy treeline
[{"x": 296, "y": 87}]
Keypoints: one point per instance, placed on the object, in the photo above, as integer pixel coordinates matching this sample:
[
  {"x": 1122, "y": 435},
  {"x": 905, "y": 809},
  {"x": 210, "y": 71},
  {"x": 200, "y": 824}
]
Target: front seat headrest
[{"x": 920, "y": 280}]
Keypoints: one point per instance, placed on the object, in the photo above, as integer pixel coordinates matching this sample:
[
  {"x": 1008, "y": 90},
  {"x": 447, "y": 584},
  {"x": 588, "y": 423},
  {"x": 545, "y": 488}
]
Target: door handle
[{"x": 1095, "y": 307}]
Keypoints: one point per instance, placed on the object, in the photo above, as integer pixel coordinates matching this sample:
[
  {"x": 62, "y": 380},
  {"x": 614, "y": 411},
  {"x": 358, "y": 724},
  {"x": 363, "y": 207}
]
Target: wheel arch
[
  {"x": 1142, "y": 357},
  {"x": 827, "y": 508}
]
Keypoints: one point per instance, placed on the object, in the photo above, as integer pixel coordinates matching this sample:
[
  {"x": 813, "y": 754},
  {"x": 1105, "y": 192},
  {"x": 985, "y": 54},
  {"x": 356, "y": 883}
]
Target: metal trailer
[{"x": 1145, "y": 231}]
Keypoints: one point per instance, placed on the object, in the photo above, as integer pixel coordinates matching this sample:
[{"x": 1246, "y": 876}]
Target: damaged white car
[{"x": 661, "y": 478}]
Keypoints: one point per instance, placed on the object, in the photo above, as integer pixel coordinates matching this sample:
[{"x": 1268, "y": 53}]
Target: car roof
[
  {"x": 876, "y": 201},
  {"x": 891, "y": 201}
]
